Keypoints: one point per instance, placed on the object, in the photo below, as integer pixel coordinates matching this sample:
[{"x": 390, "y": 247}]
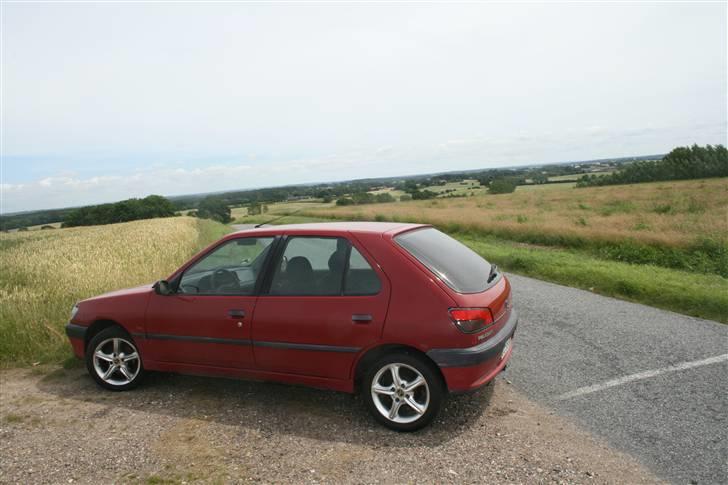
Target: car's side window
[
  {"x": 311, "y": 266},
  {"x": 360, "y": 279},
  {"x": 231, "y": 269}
]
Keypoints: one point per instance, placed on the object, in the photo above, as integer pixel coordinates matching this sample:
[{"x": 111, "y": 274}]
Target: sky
[{"x": 103, "y": 102}]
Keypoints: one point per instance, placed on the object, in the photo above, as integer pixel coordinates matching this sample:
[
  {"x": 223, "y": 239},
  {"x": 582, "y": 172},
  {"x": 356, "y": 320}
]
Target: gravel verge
[{"x": 57, "y": 426}]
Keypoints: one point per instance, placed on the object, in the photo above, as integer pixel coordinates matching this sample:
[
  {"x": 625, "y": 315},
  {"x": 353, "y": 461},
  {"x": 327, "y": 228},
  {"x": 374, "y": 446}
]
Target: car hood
[{"x": 137, "y": 290}]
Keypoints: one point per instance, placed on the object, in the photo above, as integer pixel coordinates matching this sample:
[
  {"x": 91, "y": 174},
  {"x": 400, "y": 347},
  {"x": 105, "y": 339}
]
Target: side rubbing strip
[
  {"x": 230, "y": 341},
  {"x": 202, "y": 340},
  {"x": 311, "y": 347}
]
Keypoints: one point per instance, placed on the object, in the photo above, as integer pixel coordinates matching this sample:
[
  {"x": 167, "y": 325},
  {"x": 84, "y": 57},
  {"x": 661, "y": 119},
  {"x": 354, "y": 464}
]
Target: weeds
[{"x": 663, "y": 209}]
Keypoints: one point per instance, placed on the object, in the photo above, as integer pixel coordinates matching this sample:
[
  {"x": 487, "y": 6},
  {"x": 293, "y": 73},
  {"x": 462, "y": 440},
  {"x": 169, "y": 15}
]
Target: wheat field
[{"x": 43, "y": 273}]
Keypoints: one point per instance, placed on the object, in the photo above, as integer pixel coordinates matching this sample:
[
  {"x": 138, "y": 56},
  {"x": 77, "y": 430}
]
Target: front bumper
[
  {"x": 468, "y": 368},
  {"x": 77, "y": 336}
]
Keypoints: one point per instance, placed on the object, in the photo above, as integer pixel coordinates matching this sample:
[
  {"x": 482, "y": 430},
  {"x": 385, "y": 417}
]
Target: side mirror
[{"x": 162, "y": 287}]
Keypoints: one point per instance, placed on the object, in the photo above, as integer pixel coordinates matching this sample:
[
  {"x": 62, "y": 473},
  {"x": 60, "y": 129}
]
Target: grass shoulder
[{"x": 695, "y": 294}]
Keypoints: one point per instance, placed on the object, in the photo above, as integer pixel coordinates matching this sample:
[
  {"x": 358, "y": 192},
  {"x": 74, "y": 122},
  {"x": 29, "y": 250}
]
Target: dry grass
[
  {"x": 45, "y": 272},
  {"x": 672, "y": 214}
]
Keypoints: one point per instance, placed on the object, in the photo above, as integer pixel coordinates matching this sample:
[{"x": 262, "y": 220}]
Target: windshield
[{"x": 458, "y": 266}]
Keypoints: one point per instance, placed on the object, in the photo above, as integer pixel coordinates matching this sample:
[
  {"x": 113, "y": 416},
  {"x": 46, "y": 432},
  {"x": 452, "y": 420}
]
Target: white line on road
[{"x": 642, "y": 375}]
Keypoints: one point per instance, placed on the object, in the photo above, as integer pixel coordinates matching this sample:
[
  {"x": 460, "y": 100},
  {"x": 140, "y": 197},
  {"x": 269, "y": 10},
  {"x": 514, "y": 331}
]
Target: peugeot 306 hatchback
[{"x": 401, "y": 312}]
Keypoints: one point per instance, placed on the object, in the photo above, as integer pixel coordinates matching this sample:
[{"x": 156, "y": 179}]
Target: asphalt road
[
  {"x": 674, "y": 420},
  {"x": 662, "y": 403}
]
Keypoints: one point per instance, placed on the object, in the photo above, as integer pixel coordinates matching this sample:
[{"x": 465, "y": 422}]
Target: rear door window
[
  {"x": 323, "y": 266},
  {"x": 311, "y": 266},
  {"x": 458, "y": 266},
  {"x": 360, "y": 279}
]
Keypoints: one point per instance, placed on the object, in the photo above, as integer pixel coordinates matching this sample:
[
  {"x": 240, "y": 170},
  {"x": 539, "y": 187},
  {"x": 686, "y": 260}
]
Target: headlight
[{"x": 74, "y": 310}]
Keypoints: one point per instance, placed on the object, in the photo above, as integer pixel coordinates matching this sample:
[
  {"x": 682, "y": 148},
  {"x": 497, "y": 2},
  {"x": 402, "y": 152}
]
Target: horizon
[
  {"x": 335, "y": 182},
  {"x": 106, "y": 102}
]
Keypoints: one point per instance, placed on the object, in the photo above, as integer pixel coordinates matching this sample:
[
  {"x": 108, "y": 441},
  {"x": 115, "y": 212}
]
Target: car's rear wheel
[
  {"x": 403, "y": 391},
  {"x": 113, "y": 360}
]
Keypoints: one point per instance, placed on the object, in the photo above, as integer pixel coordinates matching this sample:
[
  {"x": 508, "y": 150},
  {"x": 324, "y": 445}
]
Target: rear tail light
[{"x": 471, "y": 320}]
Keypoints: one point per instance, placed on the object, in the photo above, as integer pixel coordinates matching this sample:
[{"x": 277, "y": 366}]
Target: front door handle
[
  {"x": 361, "y": 318},
  {"x": 237, "y": 313}
]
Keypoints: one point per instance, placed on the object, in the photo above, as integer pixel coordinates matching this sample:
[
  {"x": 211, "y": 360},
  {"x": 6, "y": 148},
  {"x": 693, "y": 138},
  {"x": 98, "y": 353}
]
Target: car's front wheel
[
  {"x": 113, "y": 360},
  {"x": 403, "y": 391}
]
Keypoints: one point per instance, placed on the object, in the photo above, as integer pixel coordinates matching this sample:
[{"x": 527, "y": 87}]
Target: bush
[
  {"x": 423, "y": 194},
  {"x": 363, "y": 198},
  {"x": 344, "y": 201},
  {"x": 502, "y": 186},
  {"x": 384, "y": 197}
]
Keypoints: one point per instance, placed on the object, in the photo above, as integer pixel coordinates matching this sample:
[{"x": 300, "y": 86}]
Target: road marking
[{"x": 642, "y": 375}]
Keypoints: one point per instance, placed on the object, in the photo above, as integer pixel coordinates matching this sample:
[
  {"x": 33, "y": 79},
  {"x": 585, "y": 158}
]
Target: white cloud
[
  {"x": 266, "y": 95},
  {"x": 455, "y": 154}
]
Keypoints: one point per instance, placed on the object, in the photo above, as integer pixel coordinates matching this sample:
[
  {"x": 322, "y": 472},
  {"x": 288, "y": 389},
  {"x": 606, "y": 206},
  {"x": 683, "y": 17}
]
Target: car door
[
  {"x": 207, "y": 320},
  {"x": 325, "y": 302}
]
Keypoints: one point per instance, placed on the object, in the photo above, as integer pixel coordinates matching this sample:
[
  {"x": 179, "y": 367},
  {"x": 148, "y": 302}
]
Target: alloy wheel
[
  {"x": 400, "y": 393},
  {"x": 116, "y": 361}
]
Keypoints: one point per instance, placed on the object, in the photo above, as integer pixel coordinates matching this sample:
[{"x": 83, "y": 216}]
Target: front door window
[{"x": 231, "y": 269}]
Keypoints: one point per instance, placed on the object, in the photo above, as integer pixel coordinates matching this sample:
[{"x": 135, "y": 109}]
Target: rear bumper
[
  {"x": 77, "y": 337},
  {"x": 469, "y": 368}
]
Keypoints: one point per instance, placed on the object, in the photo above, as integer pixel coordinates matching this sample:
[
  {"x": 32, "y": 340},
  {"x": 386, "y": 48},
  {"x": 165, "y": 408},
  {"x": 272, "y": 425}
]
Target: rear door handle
[
  {"x": 237, "y": 313},
  {"x": 361, "y": 318}
]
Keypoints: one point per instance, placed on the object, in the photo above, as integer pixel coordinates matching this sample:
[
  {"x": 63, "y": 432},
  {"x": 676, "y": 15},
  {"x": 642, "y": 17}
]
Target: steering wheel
[{"x": 224, "y": 278}]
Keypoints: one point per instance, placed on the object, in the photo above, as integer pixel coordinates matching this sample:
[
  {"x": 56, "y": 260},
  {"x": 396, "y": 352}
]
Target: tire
[
  {"x": 415, "y": 408},
  {"x": 113, "y": 347}
]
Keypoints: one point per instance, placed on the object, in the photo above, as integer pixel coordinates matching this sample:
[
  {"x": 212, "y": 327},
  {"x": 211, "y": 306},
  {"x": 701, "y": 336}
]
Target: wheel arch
[
  {"x": 369, "y": 357},
  {"x": 98, "y": 326}
]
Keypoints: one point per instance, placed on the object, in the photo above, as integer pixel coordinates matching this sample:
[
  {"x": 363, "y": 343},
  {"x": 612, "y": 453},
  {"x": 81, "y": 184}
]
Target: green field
[
  {"x": 460, "y": 189},
  {"x": 664, "y": 244},
  {"x": 240, "y": 214}
]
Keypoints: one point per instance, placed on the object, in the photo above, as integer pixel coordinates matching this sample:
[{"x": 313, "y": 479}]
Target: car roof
[{"x": 333, "y": 227}]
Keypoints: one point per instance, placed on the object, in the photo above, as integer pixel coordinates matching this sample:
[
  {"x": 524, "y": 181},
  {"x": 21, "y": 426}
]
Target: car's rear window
[{"x": 461, "y": 268}]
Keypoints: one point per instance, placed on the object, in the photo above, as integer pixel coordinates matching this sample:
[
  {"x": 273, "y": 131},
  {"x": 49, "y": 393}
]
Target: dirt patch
[{"x": 60, "y": 427}]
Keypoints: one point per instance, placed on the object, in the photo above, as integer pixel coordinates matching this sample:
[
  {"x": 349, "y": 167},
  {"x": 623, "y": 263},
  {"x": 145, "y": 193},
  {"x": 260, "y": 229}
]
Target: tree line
[
  {"x": 124, "y": 211},
  {"x": 682, "y": 163},
  {"x": 501, "y": 180}
]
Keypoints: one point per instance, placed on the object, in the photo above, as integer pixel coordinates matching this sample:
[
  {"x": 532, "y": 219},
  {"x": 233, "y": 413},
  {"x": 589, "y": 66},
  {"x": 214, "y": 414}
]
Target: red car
[{"x": 402, "y": 312}]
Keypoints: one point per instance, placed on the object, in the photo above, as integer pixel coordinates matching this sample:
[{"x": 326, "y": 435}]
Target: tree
[
  {"x": 214, "y": 208},
  {"x": 255, "y": 209}
]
